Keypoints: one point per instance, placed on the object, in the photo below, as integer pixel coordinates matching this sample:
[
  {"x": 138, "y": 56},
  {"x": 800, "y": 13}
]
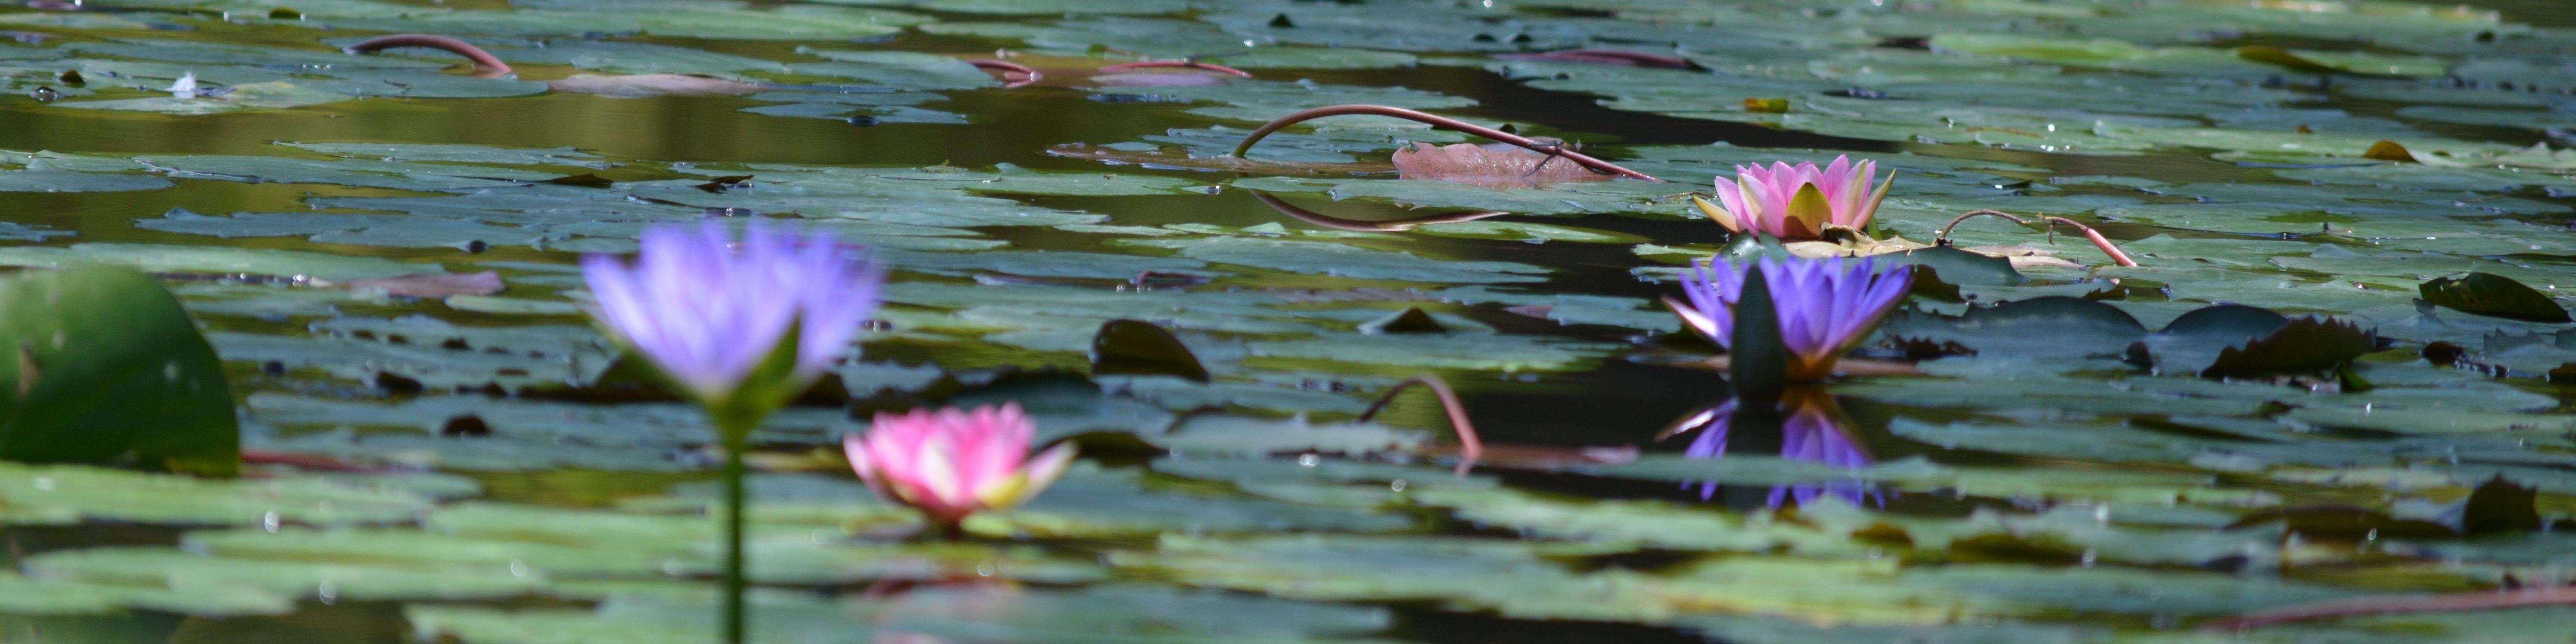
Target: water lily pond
[{"x": 2267, "y": 339}]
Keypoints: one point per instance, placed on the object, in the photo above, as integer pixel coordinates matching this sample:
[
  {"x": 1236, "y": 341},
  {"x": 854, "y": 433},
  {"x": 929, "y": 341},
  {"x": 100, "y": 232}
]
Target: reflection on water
[{"x": 1810, "y": 428}]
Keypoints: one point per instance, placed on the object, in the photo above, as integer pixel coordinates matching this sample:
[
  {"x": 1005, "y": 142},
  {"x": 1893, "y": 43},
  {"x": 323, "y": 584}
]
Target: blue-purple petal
[{"x": 708, "y": 309}]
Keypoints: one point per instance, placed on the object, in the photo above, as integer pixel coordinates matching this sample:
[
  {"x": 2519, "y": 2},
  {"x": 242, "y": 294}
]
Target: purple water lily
[
  {"x": 1814, "y": 432},
  {"x": 710, "y": 311},
  {"x": 1825, "y": 305},
  {"x": 715, "y": 314}
]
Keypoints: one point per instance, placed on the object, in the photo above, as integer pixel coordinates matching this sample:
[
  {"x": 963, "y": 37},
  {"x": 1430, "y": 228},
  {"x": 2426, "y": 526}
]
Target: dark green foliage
[{"x": 105, "y": 368}]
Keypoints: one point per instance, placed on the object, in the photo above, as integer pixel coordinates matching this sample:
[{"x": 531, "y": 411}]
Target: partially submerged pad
[
  {"x": 105, "y": 368},
  {"x": 2303, "y": 345},
  {"x": 2491, "y": 294},
  {"x": 1140, "y": 348}
]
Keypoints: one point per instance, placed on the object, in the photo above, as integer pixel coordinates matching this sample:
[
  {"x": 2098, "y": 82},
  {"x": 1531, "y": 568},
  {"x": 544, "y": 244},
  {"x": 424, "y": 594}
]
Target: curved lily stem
[
  {"x": 1391, "y": 225},
  {"x": 1943, "y": 239},
  {"x": 1469, "y": 446},
  {"x": 1007, "y": 68},
  {"x": 1551, "y": 149},
  {"x": 1190, "y": 64},
  {"x": 2099, "y": 241},
  {"x": 492, "y": 65},
  {"x": 2550, "y": 596},
  {"x": 2090, "y": 234}
]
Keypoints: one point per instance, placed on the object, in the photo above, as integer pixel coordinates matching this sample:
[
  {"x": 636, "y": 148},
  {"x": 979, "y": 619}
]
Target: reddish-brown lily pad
[{"x": 1491, "y": 164}]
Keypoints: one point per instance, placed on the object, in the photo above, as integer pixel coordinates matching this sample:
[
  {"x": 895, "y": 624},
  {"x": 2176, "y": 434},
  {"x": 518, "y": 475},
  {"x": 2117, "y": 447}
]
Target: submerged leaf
[
  {"x": 2389, "y": 151},
  {"x": 2304, "y": 345},
  {"x": 1410, "y": 320},
  {"x": 1141, "y": 348},
  {"x": 2491, "y": 294}
]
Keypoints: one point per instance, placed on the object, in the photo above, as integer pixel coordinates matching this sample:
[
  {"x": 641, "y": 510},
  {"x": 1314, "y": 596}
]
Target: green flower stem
[
  {"x": 735, "y": 429},
  {"x": 733, "y": 585}
]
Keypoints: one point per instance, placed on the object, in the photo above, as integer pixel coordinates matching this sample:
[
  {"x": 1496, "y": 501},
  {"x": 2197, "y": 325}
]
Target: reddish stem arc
[
  {"x": 2099, "y": 241},
  {"x": 2104, "y": 243},
  {"x": 1441, "y": 121},
  {"x": 481, "y": 58},
  {"x": 1469, "y": 446},
  {"x": 1190, "y": 64},
  {"x": 1007, "y": 68}
]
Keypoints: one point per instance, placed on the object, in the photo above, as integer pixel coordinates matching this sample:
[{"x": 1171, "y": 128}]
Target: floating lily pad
[
  {"x": 213, "y": 260},
  {"x": 249, "y": 96},
  {"x": 58, "y": 495},
  {"x": 33, "y": 180},
  {"x": 455, "y": 153},
  {"x": 1119, "y": 613}
]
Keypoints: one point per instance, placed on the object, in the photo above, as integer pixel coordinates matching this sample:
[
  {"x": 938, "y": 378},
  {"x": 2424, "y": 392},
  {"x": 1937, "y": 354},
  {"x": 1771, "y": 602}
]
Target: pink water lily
[
  {"x": 1825, "y": 306},
  {"x": 1798, "y": 202},
  {"x": 952, "y": 463}
]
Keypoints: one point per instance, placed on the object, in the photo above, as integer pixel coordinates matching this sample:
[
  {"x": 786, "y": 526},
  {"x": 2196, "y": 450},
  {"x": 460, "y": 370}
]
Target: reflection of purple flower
[
  {"x": 709, "y": 311},
  {"x": 1813, "y": 437},
  {"x": 1713, "y": 425},
  {"x": 1813, "y": 433},
  {"x": 1825, "y": 305}
]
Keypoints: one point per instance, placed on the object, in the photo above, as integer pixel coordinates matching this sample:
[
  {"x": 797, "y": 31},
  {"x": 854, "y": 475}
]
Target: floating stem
[
  {"x": 1547, "y": 148},
  {"x": 1469, "y": 446},
  {"x": 1007, "y": 68},
  {"x": 2090, "y": 234},
  {"x": 491, "y": 64}
]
